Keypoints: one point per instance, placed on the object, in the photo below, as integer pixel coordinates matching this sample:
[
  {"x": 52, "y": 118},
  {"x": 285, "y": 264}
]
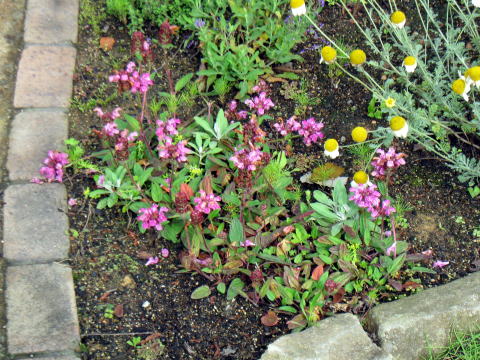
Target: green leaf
[
  {"x": 221, "y": 288},
  {"x": 201, "y": 292},
  {"x": 288, "y": 75},
  {"x": 156, "y": 192},
  {"x": 396, "y": 264},
  {"x": 204, "y": 124},
  {"x": 183, "y": 81},
  {"x": 235, "y": 288},
  {"x": 236, "y": 234},
  {"x": 132, "y": 122},
  {"x": 171, "y": 230},
  {"x": 423, "y": 270}
]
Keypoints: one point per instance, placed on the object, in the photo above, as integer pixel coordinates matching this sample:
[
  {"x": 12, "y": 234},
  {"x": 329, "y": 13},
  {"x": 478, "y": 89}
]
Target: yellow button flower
[
  {"x": 473, "y": 75},
  {"x": 399, "y": 126},
  {"x": 360, "y": 178},
  {"x": 298, "y": 7},
  {"x": 359, "y": 134},
  {"x": 331, "y": 148},
  {"x": 410, "y": 64},
  {"x": 398, "y": 19},
  {"x": 390, "y": 102},
  {"x": 461, "y": 87},
  {"x": 328, "y": 55},
  {"x": 358, "y": 57}
]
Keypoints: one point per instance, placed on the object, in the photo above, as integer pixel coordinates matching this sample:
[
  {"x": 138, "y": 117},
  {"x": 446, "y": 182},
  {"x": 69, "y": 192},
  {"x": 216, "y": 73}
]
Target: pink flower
[
  {"x": 207, "y": 202},
  {"x": 440, "y": 264},
  {"x": 168, "y": 150},
  {"x": 152, "y": 217},
  {"x": 365, "y": 196},
  {"x": 389, "y": 160},
  {"x": 152, "y": 261},
  {"x": 53, "y": 171},
  {"x": 72, "y": 202},
  {"x": 247, "y": 243},
  {"x": 140, "y": 82},
  {"x": 167, "y": 128},
  {"x": 132, "y": 80},
  {"x": 392, "y": 249},
  {"x": 124, "y": 140},
  {"x": 286, "y": 128},
  {"x": 36, "y": 180},
  {"x": 101, "y": 181},
  {"x": 233, "y": 114},
  {"x": 260, "y": 103},
  {"x": 114, "y": 114},
  {"x": 110, "y": 129},
  {"x": 310, "y": 130},
  {"x": 247, "y": 159},
  {"x": 428, "y": 252},
  {"x": 165, "y": 252},
  {"x": 382, "y": 211},
  {"x": 262, "y": 86}
]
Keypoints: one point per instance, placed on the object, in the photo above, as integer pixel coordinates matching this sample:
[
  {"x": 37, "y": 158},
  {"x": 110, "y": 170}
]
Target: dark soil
[{"x": 118, "y": 297}]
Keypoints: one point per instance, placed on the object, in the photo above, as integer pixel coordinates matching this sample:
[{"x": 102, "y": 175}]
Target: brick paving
[{"x": 41, "y": 311}]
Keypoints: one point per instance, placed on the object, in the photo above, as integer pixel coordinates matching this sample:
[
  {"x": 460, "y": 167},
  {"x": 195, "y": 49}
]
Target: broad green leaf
[
  {"x": 201, "y": 292},
  {"x": 235, "y": 288},
  {"x": 236, "y": 233},
  {"x": 132, "y": 122},
  {"x": 221, "y": 288},
  {"x": 183, "y": 81}
]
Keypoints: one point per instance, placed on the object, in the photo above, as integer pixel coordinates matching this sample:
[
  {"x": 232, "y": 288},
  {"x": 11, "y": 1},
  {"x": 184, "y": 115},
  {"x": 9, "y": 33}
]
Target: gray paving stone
[
  {"x": 41, "y": 310},
  {"x": 407, "y": 326},
  {"x": 44, "y": 77},
  {"x": 340, "y": 337},
  {"x": 33, "y": 133},
  {"x": 51, "y": 21},
  {"x": 35, "y": 223}
]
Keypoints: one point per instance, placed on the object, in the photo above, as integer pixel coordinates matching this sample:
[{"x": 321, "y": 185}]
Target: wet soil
[{"x": 119, "y": 298}]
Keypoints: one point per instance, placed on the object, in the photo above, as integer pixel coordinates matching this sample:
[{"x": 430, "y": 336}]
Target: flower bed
[{"x": 205, "y": 226}]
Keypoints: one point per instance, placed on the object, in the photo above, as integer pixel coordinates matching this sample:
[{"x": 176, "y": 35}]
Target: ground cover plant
[{"x": 211, "y": 188}]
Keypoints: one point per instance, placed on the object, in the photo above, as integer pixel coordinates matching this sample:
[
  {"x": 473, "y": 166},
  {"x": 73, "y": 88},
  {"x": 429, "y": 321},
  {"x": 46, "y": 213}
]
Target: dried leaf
[
  {"x": 206, "y": 184},
  {"x": 144, "y": 255},
  {"x": 338, "y": 296},
  {"x": 118, "y": 311},
  {"x": 327, "y": 171},
  {"x": 150, "y": 338},
  {"x": 411, "y": 285},
  {"x": 397, "y": 285},
  {"x": 297, "y": 321},
  {"x": 106, "y": 43},
  {"x": 105, "y": 295},
  {"x": 187, "y": 190},
  {"x": 273, "y": 79},
  {"x": 270, "y": 318},
  {"x": 317, "y": 272},
  {"x": 349, "y": 231}
]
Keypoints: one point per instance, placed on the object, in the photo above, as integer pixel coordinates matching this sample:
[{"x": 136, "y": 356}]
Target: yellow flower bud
[
  {"x": 329, "y": 54},
  {"x": 359, "y": 134},
  {"x": 298, "y": 7},
  {"x": 397, "y": 123},
  {"x": 390, "y": 103},
  {"x": 331, "y": 145},
  {"x": 398, "y": 19},
  {"x": 358, "y": 57},
  {"x": 360, "y": 177},
  {"x": 459, "y": 86}
]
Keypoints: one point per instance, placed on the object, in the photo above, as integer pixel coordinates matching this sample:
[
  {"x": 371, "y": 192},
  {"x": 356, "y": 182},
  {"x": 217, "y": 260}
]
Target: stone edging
[
  {"x": 41, "y": 311},
  {"x": 403, "y": 328}
]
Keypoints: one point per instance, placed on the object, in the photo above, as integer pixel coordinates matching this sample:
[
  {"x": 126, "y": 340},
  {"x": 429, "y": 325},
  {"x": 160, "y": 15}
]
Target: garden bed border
[{"x": 41, "y": 310}]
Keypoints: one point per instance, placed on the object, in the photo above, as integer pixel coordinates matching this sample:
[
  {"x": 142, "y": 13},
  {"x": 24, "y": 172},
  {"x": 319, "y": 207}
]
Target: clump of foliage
[
  {"x": 430, "y": 71},
  {"x": 223, "y": 188}
]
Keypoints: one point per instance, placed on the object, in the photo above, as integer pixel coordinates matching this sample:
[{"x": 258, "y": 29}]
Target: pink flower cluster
[
  {"x": 141, "y": 45},
  {"x": 286, "y": 128},
  {"x": 53, "y": 169},
  {"x": 207, "y": 202},
  {"x": 253, "y": 132},
  {"x": 386, "y": 161},
  {"x": 309, "y": 129},
  {"x": 124, "y": 140},
  {"x": 233, "y": 114},
  {"x": 152, "y": 217},
  {"x": 114, "y": 114},
  {"x": 130, "y": 79},
  {"x": 166, "y": 148},
  {"x": 367, "y": 197},
  {"x": 110, "y": 129},
  {"x": 260, "y": 103},
  {"x": 262, "y": 86},
  {"x": 248, "y": 159}
]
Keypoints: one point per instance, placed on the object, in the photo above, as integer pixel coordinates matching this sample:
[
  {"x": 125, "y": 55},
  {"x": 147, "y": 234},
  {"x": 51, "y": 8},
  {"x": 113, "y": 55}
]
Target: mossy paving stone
[{"x": 104, "y": 254}]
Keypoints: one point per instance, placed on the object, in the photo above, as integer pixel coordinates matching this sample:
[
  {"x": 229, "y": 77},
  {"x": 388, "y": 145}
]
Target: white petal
[
  {"x": 332, "y": 154},
  {"x": 301, "y": 10},
  {"x": 402, "y": 133},
  {"x": 410, "y": 68},
  {"x": 476, "y": 3},
  {"x": 402, "y": 24}
]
